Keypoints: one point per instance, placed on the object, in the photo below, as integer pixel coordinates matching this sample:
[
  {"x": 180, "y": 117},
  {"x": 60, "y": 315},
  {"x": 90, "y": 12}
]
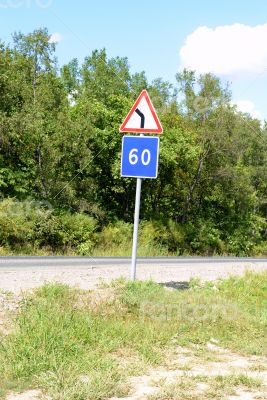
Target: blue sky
[{"x": 226, "y": 37}]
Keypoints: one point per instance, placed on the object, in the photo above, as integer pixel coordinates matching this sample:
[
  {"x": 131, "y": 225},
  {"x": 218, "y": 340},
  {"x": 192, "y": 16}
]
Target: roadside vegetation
[
  {"x": 75, "y": 344},
  {"x": 60, "y": 185}
]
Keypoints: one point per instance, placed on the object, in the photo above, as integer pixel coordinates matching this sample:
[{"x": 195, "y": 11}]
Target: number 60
[{"x": 145, "y": 157}]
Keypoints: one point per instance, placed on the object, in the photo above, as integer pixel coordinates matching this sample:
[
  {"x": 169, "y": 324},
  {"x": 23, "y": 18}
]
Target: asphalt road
[
  {"x": 95, "y": 262},
  {"x": 22, "y": 273}
]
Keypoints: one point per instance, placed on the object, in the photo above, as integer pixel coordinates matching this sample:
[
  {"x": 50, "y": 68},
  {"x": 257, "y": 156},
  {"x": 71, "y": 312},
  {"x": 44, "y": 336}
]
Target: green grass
[{"x": 74, "y": 347}]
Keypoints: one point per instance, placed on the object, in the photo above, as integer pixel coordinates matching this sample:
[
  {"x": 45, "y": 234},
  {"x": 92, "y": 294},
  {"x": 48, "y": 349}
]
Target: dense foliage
[{"x": 60, "y": 149}]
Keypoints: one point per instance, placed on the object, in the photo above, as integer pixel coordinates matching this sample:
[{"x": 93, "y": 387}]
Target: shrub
[
  {"x": 15, "y": 224},
  {"x": 115, "y": 239},
  {"x": 78, "y": 231},
  {"x": 66, "y": 231},
  {"x": 30, "y": 225},
  {"x": 162, "y": 237},
  {"x": 207, "y": 239}
]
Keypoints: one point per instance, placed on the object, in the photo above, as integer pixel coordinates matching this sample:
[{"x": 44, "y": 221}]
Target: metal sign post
[
  {"x": 136, "y": 225},
  {"x": 140, "y": 154}
]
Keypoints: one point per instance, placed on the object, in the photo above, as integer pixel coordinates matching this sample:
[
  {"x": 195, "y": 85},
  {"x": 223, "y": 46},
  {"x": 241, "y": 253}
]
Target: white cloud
[
  {"x": 226, "y": 49},
  {"x": 249, "y": 107},
  {"x": 56, "y": 37}
]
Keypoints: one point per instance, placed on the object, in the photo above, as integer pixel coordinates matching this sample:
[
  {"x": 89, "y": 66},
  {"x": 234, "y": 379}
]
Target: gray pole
[{"x": 136, "y": 224}]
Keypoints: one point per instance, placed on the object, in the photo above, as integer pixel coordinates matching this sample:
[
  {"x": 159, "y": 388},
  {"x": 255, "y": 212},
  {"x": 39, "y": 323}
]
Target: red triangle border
[{"x": 159, "y": 129}]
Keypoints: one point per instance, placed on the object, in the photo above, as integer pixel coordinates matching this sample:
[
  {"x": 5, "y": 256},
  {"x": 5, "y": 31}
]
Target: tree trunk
[
  {"x": 35, "y": 78},
  {"x": 193, "y": 186},
  {"x": 42, "y": 178}
]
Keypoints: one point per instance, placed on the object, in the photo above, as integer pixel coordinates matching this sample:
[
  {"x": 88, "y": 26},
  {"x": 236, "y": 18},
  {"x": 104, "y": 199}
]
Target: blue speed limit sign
[{"x": 140, "y": 156}]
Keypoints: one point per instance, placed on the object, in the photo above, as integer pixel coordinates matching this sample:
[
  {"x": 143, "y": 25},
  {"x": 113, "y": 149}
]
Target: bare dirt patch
[
  {"x": 29, "y": 395},
  {"x": 9, "y": 306},
  {"x": 188, "y": 373}
]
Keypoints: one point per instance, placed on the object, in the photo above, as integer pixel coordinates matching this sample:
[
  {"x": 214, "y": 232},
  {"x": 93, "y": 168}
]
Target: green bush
[
  {"x": 155, "y": 239},
  {"x": 48, "y": 231},
  {"x": 29, "y": 225},
  {"x": 66, "y": 231},
  {"x": 79, "y": 232},
  {"x": 115, "y": 239},
  {"x": 248, "y": 237},
  {"x": 16, "y": 226},
  {"x": 164, "y": 237},
  {"x": 32, "y": 227},
  {"x": 207, "y": 239}
]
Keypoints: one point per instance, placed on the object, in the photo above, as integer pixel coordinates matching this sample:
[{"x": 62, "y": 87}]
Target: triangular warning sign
[{"x": 142, "y": 117}]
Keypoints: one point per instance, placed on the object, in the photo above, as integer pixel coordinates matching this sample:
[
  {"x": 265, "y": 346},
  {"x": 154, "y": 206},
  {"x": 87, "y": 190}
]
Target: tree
[
  {"x": 211, "y": 192},
  {"x": 70, "y": 75},
  {"x": 39, "y": 50},
  {"x": 103, "y": 78}
]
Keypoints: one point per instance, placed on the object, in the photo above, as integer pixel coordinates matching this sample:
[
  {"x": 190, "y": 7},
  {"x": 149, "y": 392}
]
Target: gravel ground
[{"x": 19, "y": 279}]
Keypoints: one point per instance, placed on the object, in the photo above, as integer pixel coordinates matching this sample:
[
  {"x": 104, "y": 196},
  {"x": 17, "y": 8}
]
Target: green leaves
[{"x": 60, "y": 142}]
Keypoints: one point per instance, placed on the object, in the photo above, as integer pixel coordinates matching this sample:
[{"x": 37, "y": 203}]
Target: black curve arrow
[{"x": 141, "y": 115}]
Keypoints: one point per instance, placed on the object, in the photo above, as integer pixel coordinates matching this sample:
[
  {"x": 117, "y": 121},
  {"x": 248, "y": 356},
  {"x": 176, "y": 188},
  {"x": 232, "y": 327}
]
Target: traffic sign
[
  {"x": 140, "y": 156},
  {"x": 142, "y": 117}
]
